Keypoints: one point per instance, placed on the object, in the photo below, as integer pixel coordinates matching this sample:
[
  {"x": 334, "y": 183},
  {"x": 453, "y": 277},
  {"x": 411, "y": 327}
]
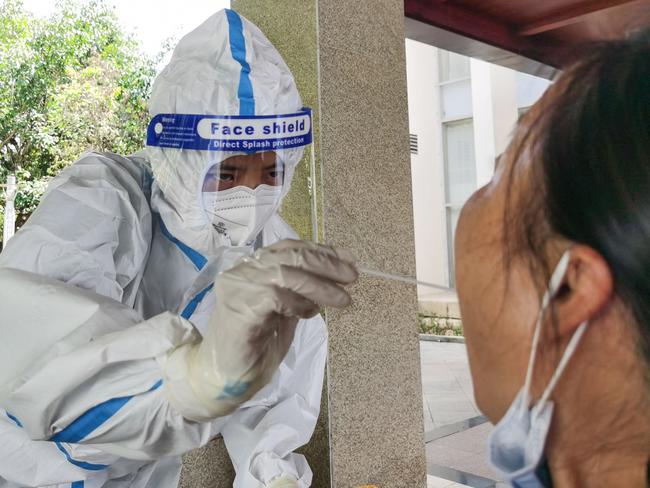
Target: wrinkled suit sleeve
[
  {"x": 92, "y": 228},
  {"x": 78, "y": 365},
  {"x": 261, "y": 437}
]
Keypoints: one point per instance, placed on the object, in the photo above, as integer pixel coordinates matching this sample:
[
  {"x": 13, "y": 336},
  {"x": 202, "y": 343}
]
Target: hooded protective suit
[{"x": 114, "y": 270}]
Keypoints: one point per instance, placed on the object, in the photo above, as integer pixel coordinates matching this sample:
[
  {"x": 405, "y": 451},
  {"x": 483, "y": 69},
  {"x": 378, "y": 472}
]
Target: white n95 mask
[
  {"x": 240, "y": 213},
  {"x": 516, "y": 445}
]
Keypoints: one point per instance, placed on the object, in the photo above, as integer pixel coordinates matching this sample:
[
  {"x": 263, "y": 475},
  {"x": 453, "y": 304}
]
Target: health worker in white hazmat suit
[{"x": 154, "y": 301}]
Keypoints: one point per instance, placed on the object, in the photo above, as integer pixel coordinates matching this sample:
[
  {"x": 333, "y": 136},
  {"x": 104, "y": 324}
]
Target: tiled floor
[
  {"x": 446, "y": 384},
  {"x": 448, "y": 399}
]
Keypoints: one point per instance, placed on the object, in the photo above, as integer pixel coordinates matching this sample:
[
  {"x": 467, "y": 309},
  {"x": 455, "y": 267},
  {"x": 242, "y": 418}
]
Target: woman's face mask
[{"x": 241, "y": 194}]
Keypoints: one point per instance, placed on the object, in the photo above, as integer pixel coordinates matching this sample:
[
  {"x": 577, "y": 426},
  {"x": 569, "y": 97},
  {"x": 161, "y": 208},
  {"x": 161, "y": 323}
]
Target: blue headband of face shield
[{"x": 232, "y": 133}]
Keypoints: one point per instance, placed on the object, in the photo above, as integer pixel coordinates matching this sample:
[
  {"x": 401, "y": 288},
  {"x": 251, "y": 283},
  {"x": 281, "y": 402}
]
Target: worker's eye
[
  {"x": 274, "y": 177},
  {"x": 274, "y": 174}
]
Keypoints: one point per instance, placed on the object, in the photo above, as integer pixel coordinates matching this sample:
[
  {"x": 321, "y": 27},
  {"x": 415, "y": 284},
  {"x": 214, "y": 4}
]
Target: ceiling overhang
[{"x": 533, "y": 36}]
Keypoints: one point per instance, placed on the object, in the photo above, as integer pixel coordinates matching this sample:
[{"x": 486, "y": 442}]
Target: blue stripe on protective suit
[
  {"x": 191, "y": 307},
  {"x": 93, "y": 418},
  {"x": 199, "y": 262},
  {"x": 15, "y": 419},
  {"x": 196, "y": 257},
  {"x": 81, "y": 464},
  {"x": 238, "y": 49},
  {"x": 77, "y": 484},
  {"x": 236, "y": 389}
]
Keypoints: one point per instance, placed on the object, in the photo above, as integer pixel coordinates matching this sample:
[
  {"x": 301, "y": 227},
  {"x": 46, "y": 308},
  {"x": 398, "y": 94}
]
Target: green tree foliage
[{"x": 69, "y": 83}]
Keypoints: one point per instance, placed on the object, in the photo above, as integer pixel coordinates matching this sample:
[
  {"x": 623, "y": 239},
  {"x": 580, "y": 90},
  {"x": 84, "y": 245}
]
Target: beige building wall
[
  {"x": 429, "y": 200},
  {"x": 496, "y": 95},
  {"x": 494, "y": 98}
]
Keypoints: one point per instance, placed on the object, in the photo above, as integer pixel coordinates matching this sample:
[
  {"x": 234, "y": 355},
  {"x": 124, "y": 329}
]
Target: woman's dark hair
[{"x": 588, "y": 144}]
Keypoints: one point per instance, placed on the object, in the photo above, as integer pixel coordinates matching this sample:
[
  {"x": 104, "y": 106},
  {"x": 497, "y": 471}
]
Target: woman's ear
[{"x": 587, "y": 287}]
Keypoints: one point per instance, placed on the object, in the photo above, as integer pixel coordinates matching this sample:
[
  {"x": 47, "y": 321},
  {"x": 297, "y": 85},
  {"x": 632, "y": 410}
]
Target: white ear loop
[
  {"x": 553, "y": 288},
  {"x": 570, "y": 349}
]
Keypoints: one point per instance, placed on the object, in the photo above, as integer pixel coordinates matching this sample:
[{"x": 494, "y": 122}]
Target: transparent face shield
[
  {"x": 249, "y": 170},
  {"x": 236, "y": 162}
]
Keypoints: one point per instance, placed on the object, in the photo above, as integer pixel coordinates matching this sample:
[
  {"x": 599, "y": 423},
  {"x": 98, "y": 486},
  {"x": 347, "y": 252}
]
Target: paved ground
[
  {"x": 446, "y": 384},
  {"x": 435, "y": 482},
  {"x": 455, "y": 432}
]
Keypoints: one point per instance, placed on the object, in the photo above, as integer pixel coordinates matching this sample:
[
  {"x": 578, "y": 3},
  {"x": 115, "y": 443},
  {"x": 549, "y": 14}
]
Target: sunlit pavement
[
  {"x": 435, "y": 482},
  {"x": 455, "y": 432}
]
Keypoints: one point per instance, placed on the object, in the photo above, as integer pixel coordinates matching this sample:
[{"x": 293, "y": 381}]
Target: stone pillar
[
  {"x": 349, "y": 63},
  {"x": 375, "y": 393}
]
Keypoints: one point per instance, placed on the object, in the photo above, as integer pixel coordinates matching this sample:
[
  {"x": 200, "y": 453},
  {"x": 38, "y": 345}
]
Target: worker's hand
[
  {"x": 259, "y": 302},
  {"x": 284, "y": 482}
]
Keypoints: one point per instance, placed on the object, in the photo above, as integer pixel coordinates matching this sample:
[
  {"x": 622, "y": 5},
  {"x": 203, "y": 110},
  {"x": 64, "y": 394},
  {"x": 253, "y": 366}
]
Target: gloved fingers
[
  {"x": 275, "y": 334},
  {"x": 316, "y": 261},
  {"x": 313, "y": 287},
  {"x": 324, "y": 264},
  {"x": 293, "y": 304},
  {"x": 342, "y": 254}
]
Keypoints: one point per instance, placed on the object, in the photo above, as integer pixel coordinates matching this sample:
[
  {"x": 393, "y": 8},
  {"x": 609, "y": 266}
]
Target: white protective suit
[{"x": 114, "y": 270}]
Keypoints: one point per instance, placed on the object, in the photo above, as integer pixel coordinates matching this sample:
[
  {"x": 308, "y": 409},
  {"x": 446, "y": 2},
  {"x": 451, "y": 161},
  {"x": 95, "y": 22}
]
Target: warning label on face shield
[{"x": 231, "y": 133}]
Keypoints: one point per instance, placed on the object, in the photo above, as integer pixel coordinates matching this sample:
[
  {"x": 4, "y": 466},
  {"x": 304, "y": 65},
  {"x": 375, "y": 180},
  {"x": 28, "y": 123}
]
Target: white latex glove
[
  {"x": 259, "y": 302},
  {"x": 284, "y": 482}
]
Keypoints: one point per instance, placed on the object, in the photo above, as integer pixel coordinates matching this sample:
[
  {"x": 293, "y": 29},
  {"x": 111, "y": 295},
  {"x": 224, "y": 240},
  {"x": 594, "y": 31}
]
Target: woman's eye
[{"x": 226, "y": 177}]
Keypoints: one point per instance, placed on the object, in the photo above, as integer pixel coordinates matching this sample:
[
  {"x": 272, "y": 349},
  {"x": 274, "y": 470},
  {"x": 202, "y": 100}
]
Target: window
[
  {"x": 521, "y": 111},
  {"x": 529, "y": 89},
  {"x": 453, "y": 66},
  {"x": 460, "y": 177},
  {"x": 455, "y": 86}
]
